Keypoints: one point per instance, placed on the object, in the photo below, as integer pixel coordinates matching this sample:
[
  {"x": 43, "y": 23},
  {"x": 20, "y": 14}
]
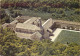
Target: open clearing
[{"x": 67, "y": 36}]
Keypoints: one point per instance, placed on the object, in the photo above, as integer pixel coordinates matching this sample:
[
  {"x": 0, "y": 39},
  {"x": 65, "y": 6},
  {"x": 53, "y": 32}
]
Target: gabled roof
[
  {"x": 31, "y": 20},
  {"x": 27, "y": 26},
  {"x": 36, "y": 36},
  {"x": 23, "y": 35},
  {"x": 14, "y": 22}
]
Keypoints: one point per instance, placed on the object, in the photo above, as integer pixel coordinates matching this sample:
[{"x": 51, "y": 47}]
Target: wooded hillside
[{"x": 11, "y": 45}]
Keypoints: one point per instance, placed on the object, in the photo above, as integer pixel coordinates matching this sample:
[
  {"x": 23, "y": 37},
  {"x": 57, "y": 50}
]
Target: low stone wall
[{"x": 67, "y": 26}]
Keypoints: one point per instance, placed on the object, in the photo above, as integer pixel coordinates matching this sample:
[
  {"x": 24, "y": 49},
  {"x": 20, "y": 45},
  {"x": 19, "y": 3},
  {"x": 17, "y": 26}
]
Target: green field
[{"x": 68, "y": 37}]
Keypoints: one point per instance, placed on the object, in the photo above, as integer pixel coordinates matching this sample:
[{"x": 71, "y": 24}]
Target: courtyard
[{"x": 66, "y": 36}]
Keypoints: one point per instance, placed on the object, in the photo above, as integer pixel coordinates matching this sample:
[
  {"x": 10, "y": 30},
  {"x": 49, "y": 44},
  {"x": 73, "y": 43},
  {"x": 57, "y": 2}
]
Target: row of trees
[
  {"x": 39, "y": 3},
  {"x": 10, "y": 45},
  {"x": 55, "y": 7}
]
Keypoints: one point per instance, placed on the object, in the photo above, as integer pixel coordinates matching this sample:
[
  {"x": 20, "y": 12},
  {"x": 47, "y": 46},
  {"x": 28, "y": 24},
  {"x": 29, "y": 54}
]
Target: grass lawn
[{"x": 68, "y": 37}]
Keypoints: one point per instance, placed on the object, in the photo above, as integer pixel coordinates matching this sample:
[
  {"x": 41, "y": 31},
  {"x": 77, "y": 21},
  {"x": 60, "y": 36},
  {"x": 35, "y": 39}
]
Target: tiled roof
[
  {"x": 14, "y": 22},
  {"x": 36, "y": 36},
  {"x": 31, "y": 20},
  {"x": 23, "y": 35},
  {"x": 27, "y": 26}
]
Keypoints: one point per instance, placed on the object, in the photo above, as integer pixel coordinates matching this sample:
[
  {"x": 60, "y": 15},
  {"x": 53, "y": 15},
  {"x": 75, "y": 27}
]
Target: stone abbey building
[{"x": 32, "y": 27}]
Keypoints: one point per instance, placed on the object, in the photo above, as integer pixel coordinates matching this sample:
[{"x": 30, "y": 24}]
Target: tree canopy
[{"x": 11, "y": 45}]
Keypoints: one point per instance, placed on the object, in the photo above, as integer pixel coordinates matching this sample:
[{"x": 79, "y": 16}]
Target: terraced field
[{"x": 68, "y": 37}]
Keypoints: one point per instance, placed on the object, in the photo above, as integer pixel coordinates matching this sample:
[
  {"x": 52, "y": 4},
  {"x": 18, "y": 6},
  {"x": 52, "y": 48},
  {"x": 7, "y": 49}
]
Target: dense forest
[
  {"x": 56, "y": 9},
  {"x": 11, "y": 45},
  {"x": 41, "y": 3}
]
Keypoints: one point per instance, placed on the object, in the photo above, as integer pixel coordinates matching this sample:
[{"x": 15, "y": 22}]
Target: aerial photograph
[{"x": 39, "y": 27}]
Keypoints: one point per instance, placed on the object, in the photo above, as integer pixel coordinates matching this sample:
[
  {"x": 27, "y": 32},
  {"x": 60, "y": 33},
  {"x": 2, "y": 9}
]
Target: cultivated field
[{"x": 68, "y": 36}]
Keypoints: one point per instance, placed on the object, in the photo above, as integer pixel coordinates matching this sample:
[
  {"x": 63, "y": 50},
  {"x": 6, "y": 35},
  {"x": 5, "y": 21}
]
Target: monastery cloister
[{"x": 32, "y": 27}]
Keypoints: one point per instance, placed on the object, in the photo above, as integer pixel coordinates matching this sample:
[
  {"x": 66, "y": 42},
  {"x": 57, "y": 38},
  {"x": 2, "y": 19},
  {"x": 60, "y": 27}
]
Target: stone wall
[
  {"x": 48, "y": 24},
  {"x": 67, "y": 26},
  {"x": 46, "y": 34},
  {"x": 36, "y": 36},
  {"x": 24, "y": 30}
]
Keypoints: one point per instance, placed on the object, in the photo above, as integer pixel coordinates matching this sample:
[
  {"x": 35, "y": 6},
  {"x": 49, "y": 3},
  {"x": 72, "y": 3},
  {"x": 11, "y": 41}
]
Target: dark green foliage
[
  {"x": 10, "y": 45},
  {"x": 56, "y": 9}
]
